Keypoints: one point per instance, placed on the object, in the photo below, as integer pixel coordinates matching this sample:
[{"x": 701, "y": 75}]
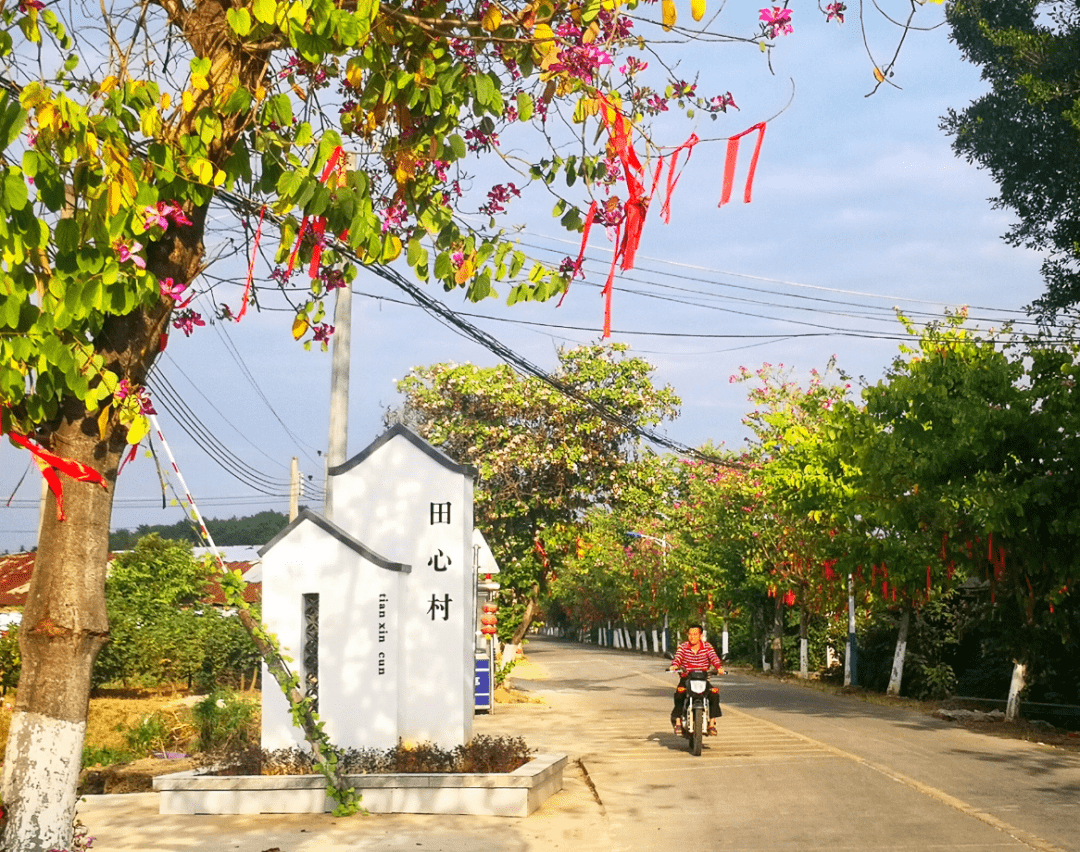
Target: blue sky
[{"x": 859, "y": 205}]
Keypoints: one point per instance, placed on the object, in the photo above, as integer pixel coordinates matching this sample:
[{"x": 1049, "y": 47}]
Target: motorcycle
[{"x": 695, "y": 718}]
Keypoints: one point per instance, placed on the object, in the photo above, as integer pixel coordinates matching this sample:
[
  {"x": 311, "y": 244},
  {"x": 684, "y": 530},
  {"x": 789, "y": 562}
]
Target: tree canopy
[
  {"x": 544, "y": 458},
  {"x": 1026, "y": 130}
]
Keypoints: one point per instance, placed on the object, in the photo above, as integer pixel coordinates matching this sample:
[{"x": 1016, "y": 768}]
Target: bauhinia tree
[
  {"x": 343, "y": 128},
  {"x": 544, "y": 458},
  {"x": 971, "y": 460}
]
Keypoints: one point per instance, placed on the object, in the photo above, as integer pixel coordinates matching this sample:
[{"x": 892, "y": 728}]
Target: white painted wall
[
  {"x": 393, "y": 496},
  {"x": 359, "y": 633}
]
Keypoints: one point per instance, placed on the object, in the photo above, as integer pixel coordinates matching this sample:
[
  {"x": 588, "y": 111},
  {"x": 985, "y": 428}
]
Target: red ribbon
[
  {"x": 251, "y": 266},
  {"x": 673, "y": 177},
  {"x": 319, "y": 224},
  {"x": 589, "y": 217},
  {"x": 732, "y": 157},
  {"x": 49, "y": 463},
  {"x": 609, "y": 287}
]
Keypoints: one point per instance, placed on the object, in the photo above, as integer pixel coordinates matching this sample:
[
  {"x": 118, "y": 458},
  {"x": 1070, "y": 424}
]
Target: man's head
[{"x": 693, "y": 633}]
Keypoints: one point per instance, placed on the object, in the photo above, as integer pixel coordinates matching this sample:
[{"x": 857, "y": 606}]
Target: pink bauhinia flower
[
  {"x": 776, "y": 21},
  {"x": 835, "y": 10},
  {"x": 126, "y": 253}
]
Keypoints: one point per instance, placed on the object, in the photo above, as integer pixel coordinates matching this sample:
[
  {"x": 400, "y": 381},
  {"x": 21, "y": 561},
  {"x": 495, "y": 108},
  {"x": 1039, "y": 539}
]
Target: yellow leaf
[
  {"x": 199, "y": 81},
  {"x": 260, "y": 93},
  {"x": 219, "y": 177},
  {"x": 878, "y": 75},
  {"x": 391, "y": 248},
  {"x": 697, "y": 9},
  {"x": 590, "y": 35},
  {"x": 354, "y": 73},
  {"x": 670, "y": 14},
  {"x": 299, "y": 326},
  {"x": 166, "y": 101},
  {"x": 46, "y": 117},
  {"x": 108, "y": 84},
  {"x": 103, "y": 421},
  {"x": 115, "y": 197},
  {"x": 492, "y": 18},
  {"x": 188, "y": 101},
  {"x": 203, "y": 169},
  {"x": 138, "y": 430}
]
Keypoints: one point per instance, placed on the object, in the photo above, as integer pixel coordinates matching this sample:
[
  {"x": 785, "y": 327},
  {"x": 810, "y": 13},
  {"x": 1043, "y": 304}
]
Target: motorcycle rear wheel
[{"x": 695, "y": 737}]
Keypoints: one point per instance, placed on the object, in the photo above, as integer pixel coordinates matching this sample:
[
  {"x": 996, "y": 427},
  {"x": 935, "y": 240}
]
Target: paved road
[{"x": 791, "y": 769}]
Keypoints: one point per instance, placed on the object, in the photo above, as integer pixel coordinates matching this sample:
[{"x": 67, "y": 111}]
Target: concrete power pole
[
  {"x": 294, "y": 489},
  {"x": 339, "y": 391}
]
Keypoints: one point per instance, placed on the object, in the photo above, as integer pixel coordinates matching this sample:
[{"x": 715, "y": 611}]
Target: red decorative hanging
[
  {"x": 49, "y": 463},
  {"x": 251, "y": 265},
  {"x": 732, "y": 159}
]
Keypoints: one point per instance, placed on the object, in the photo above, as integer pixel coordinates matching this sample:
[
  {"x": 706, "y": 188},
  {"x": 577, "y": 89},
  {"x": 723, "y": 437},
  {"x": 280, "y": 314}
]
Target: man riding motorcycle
[{"x": 694, "y": 655}]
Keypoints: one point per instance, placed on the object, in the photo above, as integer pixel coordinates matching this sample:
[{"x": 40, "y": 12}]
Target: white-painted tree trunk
[
  {"x": 724, "y": 641},
  {"x": 804, "y": 643},
  {"x": 41, "y": 805},
  {"x": 901, "y": 651},
  {"x": 1016, "y": 686}
]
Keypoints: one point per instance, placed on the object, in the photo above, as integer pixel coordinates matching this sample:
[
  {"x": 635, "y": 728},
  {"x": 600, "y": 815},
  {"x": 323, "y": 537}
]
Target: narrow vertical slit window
[{"x": 310, "y": 654}]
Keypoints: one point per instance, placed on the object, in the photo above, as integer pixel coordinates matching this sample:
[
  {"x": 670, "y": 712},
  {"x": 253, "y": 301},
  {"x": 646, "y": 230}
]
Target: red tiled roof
[
  {"x": 15, "y": 571},
  {"x": 16, "y": 568}
]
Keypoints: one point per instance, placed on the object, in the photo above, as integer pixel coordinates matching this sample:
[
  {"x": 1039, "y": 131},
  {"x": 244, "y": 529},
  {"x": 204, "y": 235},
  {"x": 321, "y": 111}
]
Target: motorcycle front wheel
[{"x": 695, "y": 737}]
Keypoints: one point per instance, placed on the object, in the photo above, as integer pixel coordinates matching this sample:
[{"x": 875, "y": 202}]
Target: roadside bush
[
  {"x": 225, "y": 722},
  {"x": 481, "y": 754},
  {"x": 10, "y": 660}
]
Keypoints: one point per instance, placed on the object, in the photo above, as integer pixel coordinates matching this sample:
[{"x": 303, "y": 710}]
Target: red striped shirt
[{"x": 689, "y": 660}]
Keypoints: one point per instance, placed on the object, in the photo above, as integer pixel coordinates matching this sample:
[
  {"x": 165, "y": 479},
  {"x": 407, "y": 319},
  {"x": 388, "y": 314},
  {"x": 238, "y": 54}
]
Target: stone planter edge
[{"x": 515, "y": 794}]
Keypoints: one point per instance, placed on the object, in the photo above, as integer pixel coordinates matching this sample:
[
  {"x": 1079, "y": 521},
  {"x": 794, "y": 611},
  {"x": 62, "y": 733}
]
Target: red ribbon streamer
[
  {"x": 251, "y": 266},
  {"x": 732, "y": 158},
  {"x": 609, "y": 287},
  {"x": 673, "y": 177},
  {"x": 589, "y": 217},
  {"x": 50, "y": 463},
  {"x": 319, "y": 224}
]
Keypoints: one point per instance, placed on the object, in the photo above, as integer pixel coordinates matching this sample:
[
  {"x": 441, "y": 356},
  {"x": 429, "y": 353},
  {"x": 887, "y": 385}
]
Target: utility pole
[
  {"x": 339, "y": 391},
  {"x": 339, "y": 378},
  {"x": 294, "y": 489}
]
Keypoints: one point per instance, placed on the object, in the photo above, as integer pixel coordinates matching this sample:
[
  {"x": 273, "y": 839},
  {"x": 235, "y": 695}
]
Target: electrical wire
[{"x": 206, "y": 440}]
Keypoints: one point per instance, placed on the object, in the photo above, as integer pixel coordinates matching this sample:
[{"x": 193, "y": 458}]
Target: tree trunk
[
  {"x": 64, "y": 626},
  {"x": 804, "y": 643},
  {"x": 532, "y": 606},
  {"x": 1016, "y": 686},
  {"x": 778, "y": 636},
  {"x": 901, "y": 651}
]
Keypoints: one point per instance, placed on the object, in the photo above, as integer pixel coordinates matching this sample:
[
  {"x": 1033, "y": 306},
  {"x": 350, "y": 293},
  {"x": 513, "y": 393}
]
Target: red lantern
[
  {"x": 490, "y": 607},
  {"x": 489, "y": 619},
  {"x": 488, "y": 629}
]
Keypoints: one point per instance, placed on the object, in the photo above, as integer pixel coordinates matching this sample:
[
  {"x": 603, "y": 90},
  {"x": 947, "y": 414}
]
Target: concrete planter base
[{"x": 511, "y": 794}]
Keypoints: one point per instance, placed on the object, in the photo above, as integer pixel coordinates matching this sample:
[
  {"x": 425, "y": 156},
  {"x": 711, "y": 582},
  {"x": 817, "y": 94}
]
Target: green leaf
[
  {"x": 66, "y": 235},
  {"x": 457, "y": 145},
  {"x": 239, "y": 20},
  {"x": 524, "y": 106},
  {"x": 15, "y": 191},
  {"x": 264, "y": 10}
]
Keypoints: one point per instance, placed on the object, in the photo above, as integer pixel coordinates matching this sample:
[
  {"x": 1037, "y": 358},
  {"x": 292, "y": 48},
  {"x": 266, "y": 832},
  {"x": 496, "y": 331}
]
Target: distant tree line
[{"x": 255, "y": 529}]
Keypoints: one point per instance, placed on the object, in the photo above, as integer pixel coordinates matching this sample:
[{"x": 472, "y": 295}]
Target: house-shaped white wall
[
  {"x": 413, "y": 504},
  {"x": 334, "y": 605}
]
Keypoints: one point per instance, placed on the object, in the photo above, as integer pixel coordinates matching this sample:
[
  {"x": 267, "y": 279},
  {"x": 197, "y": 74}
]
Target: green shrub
[
  {"x": 104, "y": 756},
  {"x": 148, "y": 734},
  {"x": 224, "y": 721}
]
